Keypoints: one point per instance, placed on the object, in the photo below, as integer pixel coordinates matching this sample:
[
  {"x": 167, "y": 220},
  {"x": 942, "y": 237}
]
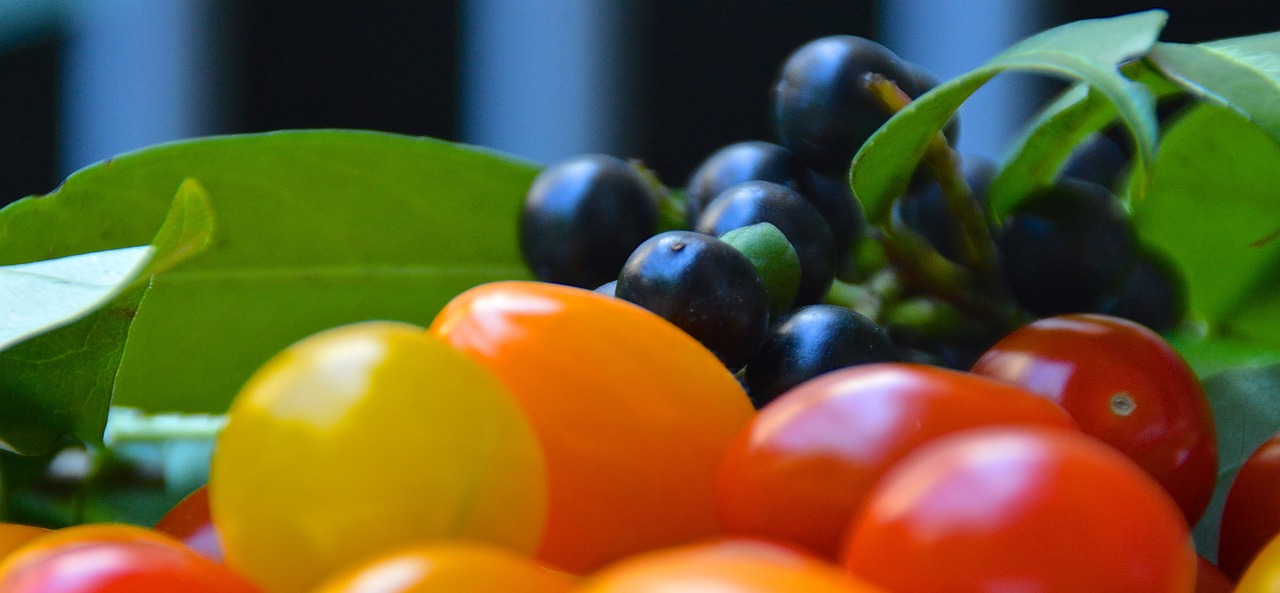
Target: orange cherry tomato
[
  {"x": 804, "y": 465},
  {"x": 448, "y": 567},
  {"x": 632, "y": 413},
  {"x": 1124, "y": 385},
  {"x": 1019, "y": 508},
  {"x": 189, "y": 522},
  {"x": 13, "y": 536},
  {"x": 736, "y": 566},
  {"x": 113, "y": 559}
]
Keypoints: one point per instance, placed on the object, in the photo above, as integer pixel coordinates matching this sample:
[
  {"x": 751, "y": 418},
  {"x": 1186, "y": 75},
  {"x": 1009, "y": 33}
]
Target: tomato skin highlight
[
  {"x": 190, "y": 522},
  {"x": 802, "y": 467},
  {"x": 448, "y": 567},
  {"x": 730, "y": 565},
  {"x": 633, "y": 414},
  {"x": 113, "y": 559},
  {"x": 1251, "y": 515},
  {"x": 1020, "y": 508},
  {"x": 1125, "y": 385}
]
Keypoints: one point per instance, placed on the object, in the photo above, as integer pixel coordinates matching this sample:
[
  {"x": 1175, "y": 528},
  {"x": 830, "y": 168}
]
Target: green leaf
[
  {"x": 1244, "y": 407},
  {"x": 1210, "y": 355},
  {"x": 42, "y": 296},
  {"x": 315, "y": 229},
  {"x": 1212, "y": 208},
  {"x": 77, "y": 311},
  {"x": 1085, "y": 50},
  {"x": 1242, "y": 73},
  {"x": 1047, "y": 141}
]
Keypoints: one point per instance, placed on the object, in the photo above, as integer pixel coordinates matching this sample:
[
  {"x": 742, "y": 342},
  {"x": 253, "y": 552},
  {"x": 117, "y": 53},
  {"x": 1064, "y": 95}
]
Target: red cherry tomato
[
  {"x": 1124, "y": 385},
  {"x": 1021, "y": 509},
  {"x": 1251, "y": 516},
  {"x": 633, "y": 415},
  {"x": 189, "y": 522},
  {"x": 730, "y": 566},
  {"x": 1209, "y": 579},
  {"x": 803, "y": 466},
  {"x": 113, "y": 559}
]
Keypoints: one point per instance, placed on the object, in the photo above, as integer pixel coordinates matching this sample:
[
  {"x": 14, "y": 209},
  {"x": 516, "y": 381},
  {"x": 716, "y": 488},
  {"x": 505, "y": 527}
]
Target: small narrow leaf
[{"x": 1089, "y": 51}]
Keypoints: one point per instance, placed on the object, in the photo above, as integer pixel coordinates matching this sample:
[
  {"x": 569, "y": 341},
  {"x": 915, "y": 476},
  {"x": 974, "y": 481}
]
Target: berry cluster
[{"x": 766, "y": 258}]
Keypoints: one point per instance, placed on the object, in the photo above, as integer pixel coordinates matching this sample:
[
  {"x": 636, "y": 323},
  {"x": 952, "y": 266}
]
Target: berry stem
[
  {"x": 944, "y": 162},
  {"x": 927, "y": 271},
  {"x": 671, "y": 210}
]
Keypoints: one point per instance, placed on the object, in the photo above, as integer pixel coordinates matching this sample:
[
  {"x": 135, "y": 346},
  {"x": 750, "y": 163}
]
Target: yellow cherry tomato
[
  {"x": 632, "y": 413},
  {"x": 1263, "y": 574},
  {"x": 448, "y": 567},
  {"x": 366, "y": 437}
]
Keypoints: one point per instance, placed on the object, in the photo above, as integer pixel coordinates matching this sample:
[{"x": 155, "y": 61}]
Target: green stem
[{"x": 979, "y": 250}]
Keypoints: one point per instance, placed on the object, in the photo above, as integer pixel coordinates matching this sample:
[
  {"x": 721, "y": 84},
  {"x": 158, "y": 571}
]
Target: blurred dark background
[{"x": 667, "y": 81}]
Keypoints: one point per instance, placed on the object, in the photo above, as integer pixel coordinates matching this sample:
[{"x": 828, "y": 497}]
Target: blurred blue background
[{"x": 666, "y": 81}]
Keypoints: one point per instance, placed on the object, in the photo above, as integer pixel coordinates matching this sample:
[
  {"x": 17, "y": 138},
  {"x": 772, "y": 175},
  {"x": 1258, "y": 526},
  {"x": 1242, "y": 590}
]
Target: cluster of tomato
[{"x": 542, "y": 438}]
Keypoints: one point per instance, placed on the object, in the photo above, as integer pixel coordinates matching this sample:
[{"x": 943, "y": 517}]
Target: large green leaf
[
  {"x": 69, "y": 318},
  {"x": 1242, "y": 73},
  {"x": 1212, "y": 208},
  {"x": 315, "y": 229},
  {"x": 1088, "y": 51}
]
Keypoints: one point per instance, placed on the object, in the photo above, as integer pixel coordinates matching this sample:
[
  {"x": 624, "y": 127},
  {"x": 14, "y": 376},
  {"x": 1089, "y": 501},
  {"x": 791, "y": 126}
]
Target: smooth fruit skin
[
  {"x": 704, "y": 286},
  {"x": 737, "y": 163},
  {"x": 799, "y": 471},
  {"x": 364, "y": 437},
  {"x": 1263, "y": 573},
  {"x": 729, "y": 566},
  {"x": 189, "y": 521},
  {"x": 1154, "y": 294},
  {"x": 582, "y": 217},
  {"x": 1020, "y": 509},
  {"x": 633, "y": 414},
  {"x": 448, "y": 567},
  {"x": 1251, "y": 515},
  {"x": 1066, "y": 246},
  {"x": 14, "y": 536},
  {"x": 1124, "y": 385},
  {"x": 1209, "y": 579},
  {"x": 754, "y": 202},
  {"x": 823, "y": 110},
  {"x": 813, "y": 340},
  {"x": 113, "y": 559}
]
